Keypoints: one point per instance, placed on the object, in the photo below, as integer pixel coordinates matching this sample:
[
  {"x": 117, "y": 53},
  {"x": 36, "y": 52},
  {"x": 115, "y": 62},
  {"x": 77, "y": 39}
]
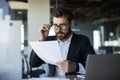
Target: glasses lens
[{"x": 62, "y": 26}]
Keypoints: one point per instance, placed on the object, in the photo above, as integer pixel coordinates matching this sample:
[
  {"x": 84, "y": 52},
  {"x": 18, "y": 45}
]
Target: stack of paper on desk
[{"x": 48, "y": 51}]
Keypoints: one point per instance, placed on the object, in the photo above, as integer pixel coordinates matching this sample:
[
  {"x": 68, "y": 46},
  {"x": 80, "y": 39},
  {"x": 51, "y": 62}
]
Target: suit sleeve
[
  {"x": 35, "y": 61},
  {"x": 87, "y": 49}
]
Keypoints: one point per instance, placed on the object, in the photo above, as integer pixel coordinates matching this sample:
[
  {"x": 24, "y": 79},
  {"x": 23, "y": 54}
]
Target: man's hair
[{"x": 61, "y": 11}]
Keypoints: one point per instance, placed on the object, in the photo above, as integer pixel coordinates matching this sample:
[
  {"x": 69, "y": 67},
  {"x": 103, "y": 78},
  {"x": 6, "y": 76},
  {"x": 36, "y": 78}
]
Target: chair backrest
[{"x": 30, "y": 71}]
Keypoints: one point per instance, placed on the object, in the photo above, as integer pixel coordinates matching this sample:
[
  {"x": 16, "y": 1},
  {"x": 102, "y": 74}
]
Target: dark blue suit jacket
[{"x": 79, "y": 48}]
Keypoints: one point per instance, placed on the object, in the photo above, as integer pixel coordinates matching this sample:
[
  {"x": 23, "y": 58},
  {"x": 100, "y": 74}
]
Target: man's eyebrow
[{"x": 61, "y": 23}]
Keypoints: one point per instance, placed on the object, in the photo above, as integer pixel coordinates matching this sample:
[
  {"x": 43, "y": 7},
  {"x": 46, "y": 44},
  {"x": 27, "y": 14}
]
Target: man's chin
[{"x": 60, "y": 37}]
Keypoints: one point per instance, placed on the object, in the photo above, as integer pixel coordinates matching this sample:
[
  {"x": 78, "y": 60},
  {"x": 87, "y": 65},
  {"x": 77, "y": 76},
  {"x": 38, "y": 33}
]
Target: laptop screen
[{"x": 103, "y": 67}]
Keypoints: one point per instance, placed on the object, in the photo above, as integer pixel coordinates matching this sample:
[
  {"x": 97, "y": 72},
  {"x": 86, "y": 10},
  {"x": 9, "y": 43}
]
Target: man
[{"x": 74, "y": 48}]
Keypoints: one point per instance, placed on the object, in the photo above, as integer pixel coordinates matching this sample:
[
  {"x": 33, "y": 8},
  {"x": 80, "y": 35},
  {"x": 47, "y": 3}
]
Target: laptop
[{"x": 103, "y": 67}]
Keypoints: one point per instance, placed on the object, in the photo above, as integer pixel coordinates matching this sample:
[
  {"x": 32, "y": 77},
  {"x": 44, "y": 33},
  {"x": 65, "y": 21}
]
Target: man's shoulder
[{"x": 80, "y": 36}]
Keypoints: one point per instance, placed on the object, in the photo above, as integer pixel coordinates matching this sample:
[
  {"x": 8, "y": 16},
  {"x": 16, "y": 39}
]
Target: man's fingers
[
  {"x": 63, "y": 66},
  {"x": 44, "y": 31},
  {"x": 67, "y": 66},
  {"x": 47, "y": 26}
]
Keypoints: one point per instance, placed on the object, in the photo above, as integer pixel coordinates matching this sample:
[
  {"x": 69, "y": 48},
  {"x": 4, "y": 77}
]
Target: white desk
[{"x": 68, "y": 77}]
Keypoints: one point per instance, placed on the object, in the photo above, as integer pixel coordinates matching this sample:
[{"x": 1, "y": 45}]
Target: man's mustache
[{"x": 59, "y": 33}]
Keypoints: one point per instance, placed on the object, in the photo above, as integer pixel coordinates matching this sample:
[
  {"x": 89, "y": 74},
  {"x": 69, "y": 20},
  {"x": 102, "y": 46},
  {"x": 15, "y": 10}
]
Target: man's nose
[{"x": 59, "y": 27}]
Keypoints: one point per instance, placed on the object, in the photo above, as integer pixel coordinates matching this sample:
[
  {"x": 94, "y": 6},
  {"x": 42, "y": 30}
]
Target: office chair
[
  {"x": 29, "y": 73},
  {"x": 36, "y": 73}
]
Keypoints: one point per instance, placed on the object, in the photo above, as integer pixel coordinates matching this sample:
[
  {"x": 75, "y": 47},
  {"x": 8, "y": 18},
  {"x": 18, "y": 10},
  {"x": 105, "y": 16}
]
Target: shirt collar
[{"x": 69, "y": 39}]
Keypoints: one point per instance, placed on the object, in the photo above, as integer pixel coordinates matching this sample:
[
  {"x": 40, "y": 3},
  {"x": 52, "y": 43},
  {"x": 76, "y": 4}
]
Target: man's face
[{"x": 62, "y": 28}]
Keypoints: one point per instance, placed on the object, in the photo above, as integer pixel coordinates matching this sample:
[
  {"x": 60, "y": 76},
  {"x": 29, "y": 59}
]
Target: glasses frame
[{"x": 61, "y": 26}]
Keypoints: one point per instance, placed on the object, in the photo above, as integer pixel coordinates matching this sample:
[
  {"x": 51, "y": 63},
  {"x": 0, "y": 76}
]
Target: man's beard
[{"x": 62, "y": 35}]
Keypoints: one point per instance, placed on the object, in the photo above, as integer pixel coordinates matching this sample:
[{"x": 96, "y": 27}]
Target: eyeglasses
[{"x": 61, "y": 26}]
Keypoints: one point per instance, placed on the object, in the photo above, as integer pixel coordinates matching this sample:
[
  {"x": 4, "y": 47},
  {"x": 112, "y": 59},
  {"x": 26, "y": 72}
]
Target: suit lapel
[{"x": 72, "y": 48}]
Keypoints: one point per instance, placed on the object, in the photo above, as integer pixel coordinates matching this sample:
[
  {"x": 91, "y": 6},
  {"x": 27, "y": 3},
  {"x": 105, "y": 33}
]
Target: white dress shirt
[{"x": 64, "y": 47}]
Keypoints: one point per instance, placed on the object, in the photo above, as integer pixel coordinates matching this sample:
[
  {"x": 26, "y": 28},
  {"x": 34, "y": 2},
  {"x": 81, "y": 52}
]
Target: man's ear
[{"x": 72, "y": 23}]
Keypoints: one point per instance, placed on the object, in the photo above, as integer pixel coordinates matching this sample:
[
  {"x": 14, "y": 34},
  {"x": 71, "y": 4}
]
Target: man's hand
[
  {"x": 44, "y": 31},
  {"x": 67, "y": 66}
]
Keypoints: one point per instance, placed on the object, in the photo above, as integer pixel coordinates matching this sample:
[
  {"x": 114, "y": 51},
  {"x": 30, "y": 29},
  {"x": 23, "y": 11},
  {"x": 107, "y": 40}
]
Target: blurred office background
[{"x": 20, "y": 21}]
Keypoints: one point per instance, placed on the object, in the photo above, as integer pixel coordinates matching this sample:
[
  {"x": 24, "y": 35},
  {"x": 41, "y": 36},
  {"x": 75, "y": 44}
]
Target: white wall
[{"x": 38, "y": 14}]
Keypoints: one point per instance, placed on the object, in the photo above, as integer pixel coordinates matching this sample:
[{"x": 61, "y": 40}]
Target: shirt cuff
[{"x": 81, "y": 69}]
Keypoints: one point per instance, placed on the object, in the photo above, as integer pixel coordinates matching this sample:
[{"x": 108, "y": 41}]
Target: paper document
[
  {"x": 48, "y": 51},
  {"x": 49, "y": 79}
]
